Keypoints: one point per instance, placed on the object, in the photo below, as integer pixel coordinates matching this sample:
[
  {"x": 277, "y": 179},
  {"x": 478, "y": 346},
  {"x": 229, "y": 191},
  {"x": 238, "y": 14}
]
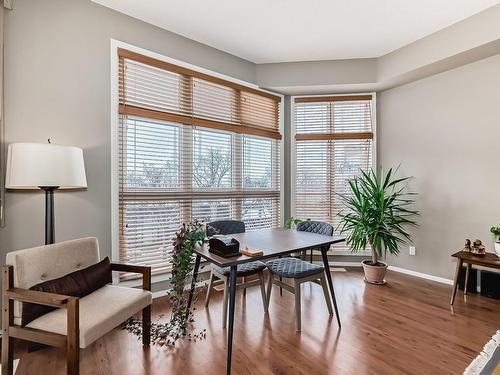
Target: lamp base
[{"x": 50, "y": 228}]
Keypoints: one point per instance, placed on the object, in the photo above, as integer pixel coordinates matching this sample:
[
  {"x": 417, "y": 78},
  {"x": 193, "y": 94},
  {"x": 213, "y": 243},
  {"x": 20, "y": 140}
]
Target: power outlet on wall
[{"x": 413, "y": 250}]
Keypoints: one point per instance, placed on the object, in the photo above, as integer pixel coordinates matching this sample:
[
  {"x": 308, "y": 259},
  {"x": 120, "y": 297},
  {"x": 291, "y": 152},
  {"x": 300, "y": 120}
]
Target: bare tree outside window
[{"x": 212, "y": 169}]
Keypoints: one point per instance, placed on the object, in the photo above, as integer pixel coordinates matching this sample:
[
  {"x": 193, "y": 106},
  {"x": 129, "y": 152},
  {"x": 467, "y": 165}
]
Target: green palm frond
[{"x": 377, "y": 212}]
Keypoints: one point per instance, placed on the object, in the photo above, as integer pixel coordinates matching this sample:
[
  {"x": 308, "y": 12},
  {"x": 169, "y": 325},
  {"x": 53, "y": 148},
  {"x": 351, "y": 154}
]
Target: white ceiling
[{"x": 264, "y": 31}]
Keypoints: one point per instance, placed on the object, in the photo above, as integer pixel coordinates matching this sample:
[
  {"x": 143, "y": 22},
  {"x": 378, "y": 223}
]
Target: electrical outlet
[{"x": 413, "y": 250}]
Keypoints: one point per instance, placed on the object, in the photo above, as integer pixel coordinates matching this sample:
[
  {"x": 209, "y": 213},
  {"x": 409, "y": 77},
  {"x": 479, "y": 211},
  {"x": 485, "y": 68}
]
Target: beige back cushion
[{"x": 39, "y": 264}]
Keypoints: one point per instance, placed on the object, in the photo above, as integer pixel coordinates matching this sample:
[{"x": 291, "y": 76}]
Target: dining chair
[
  {"x": 227, "y": 227},
  {"x": 312, "y": 226},
  {"x": 300, "y": 271}
]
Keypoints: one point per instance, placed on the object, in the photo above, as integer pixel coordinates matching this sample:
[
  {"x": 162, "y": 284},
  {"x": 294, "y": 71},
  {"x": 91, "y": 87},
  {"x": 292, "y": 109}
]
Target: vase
[
  {"x": 374, "y": 274},
  {"x": 497, "y": 248}
]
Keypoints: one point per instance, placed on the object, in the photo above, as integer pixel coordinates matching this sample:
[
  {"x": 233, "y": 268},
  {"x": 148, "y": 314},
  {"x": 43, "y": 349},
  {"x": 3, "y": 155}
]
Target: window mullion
[
  {"x": 186, "y": 104},
  {"x": 237, "y": 155}
]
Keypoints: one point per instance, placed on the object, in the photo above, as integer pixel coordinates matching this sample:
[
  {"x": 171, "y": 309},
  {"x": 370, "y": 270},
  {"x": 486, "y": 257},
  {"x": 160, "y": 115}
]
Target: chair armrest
[
  {"x": 72, "y": 337},
  {"x": 35, "y": 296},
  {"x": 144, "y": 270}
]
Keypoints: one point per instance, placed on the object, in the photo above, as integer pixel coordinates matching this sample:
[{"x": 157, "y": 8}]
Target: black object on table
[{"x": 273, "y": 243}]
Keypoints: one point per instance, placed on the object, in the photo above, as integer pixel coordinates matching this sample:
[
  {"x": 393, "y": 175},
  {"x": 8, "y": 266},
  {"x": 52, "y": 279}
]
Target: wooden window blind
[
  {"x": 159, "y": 90},
  {"x": 334, "y": 141},
  {"x": 191, "y": 147}
]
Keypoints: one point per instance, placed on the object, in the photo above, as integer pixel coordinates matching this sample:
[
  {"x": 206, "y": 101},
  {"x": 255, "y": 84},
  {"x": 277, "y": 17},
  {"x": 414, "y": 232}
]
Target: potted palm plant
[{"x": 377, "y": 212}]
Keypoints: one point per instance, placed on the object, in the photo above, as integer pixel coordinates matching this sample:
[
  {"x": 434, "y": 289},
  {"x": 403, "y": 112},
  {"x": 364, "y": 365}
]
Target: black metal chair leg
[{"x": 281, "y": 280}]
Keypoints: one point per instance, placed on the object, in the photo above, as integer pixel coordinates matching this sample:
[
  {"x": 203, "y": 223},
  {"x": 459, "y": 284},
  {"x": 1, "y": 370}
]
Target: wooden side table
[{"x": 489, "y": 260}]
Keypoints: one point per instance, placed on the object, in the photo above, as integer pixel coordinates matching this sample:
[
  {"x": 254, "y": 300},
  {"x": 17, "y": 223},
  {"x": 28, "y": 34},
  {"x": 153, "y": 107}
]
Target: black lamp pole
[{"x": 50, "y": 227}]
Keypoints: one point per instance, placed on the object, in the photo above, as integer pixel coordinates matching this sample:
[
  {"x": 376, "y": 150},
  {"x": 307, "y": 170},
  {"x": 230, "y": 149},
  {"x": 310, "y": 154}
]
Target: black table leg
[
  {"x": 232, "y": 298},
  {"x": 193, "y": 280},
  {"x": 330, "y": 283},
  {"x": 281, "y": 280}
]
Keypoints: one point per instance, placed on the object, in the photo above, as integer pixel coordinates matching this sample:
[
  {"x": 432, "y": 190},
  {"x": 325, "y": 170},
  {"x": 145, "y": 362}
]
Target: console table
[{"x": 489, "y": 260}]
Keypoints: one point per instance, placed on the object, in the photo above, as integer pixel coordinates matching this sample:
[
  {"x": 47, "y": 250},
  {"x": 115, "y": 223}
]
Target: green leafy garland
[
  {"x": 292, "y": 222},
  {"x": 181, "y": 317}
]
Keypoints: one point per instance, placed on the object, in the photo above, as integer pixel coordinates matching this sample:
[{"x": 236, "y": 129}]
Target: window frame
[
  {"x": 115, "y": 45},
  {"x": 293, "y": 152}
]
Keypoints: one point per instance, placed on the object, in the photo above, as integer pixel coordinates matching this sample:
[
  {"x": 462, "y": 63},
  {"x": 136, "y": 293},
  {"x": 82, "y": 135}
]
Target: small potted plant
[
  {"x": 495, "y": 231},
  {"x": 377, "y": 212}
]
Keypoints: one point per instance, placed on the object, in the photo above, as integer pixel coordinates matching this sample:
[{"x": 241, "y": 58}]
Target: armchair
[{"x": 76, "y": 322}]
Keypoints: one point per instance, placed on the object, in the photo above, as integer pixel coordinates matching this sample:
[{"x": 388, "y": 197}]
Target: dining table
[{"x": 272, "y": 243}]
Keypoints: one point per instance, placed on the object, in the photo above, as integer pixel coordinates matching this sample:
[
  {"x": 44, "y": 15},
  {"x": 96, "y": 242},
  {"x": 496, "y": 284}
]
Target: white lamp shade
[{"x": 31, "y": 165}]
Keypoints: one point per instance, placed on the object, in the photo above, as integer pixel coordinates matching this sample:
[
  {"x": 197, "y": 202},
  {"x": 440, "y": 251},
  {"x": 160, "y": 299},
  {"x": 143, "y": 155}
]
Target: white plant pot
[{"x": 497, "y": 248}]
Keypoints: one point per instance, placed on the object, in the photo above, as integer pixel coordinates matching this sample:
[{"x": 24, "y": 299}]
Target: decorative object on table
[
  {"x": 488, "y": 361},
  {"x": 467, "y": 247},
  {"x": 251, "y": 252},
  {"x": 181, "y": 318},
  {"x": 377, "y": 211},
  {"x": 224, "y": 246},
  {"x": 48, "y": 167},
  {"x": 478, "y": 248},
  {"x": 495, "y": 231}
]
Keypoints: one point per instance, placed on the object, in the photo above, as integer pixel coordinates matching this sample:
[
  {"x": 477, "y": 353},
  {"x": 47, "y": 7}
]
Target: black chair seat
[
  {"x": 293, "y": 268},
  {"x": 245, "y": 269}
]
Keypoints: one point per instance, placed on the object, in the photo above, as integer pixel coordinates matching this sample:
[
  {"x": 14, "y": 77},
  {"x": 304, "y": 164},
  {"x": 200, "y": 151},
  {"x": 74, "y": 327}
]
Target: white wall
[{"x": 445, "y": 131}]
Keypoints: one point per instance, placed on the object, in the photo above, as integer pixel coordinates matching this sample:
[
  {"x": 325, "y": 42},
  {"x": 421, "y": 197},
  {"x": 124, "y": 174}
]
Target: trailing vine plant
[{"x": 181, "y": 318}]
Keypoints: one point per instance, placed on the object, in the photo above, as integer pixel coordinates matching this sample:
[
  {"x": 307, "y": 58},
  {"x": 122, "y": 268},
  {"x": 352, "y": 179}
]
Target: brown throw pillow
[{"x": 76, "y": 284}]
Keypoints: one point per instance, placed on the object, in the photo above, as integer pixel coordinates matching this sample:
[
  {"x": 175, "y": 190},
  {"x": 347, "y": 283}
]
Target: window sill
[
  {"x": 156, "y": 279},
  {"x": 350, "y": 253}
]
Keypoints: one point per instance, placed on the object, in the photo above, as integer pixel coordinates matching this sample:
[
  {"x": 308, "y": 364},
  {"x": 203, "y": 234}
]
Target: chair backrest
[
  {"x": 225, "y": 227},
  {"x": 42, "y": 263},
  {"x": 318, "y": 227}
]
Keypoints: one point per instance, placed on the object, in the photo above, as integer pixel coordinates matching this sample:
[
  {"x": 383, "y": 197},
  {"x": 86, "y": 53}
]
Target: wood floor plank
[{"x": 406, "y": 326}]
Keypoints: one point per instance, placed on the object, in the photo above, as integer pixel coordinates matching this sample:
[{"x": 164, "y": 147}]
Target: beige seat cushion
[{"x": 100, "y": 312}]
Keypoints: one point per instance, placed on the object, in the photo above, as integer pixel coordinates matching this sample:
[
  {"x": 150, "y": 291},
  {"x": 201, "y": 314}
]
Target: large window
[
  {"x": 191, "y": 146},
  {"x": 334, "y": 140}
]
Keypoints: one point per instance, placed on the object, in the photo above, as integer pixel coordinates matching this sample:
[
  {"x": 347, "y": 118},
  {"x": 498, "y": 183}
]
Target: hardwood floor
[{"x": 406, "y": 326}]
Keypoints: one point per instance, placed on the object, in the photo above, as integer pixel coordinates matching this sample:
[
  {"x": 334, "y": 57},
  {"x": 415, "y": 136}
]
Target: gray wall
[
  {"x": 445, "y": 131},
  {"x": 57, "y": 86}
]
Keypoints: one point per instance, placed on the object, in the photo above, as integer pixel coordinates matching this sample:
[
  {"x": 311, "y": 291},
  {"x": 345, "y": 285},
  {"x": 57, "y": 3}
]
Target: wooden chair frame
[
  {"x": 318, "y": 278},
  {"x": 224, "y": 279},
  {"x": 70, "y": 341}
]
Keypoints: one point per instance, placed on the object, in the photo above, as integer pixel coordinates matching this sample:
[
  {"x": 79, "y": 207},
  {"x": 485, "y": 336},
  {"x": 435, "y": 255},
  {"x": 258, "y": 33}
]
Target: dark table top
[
  {"x": 273, "y": 242},
  {"x": 487, "y": 260}
]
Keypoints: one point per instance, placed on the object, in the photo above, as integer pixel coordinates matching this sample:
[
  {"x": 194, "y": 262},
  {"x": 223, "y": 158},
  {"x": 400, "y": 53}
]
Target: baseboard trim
[
  {"x": 345, "y": 264},
  {"x": 160, "y": 293},
  {"x": 421, "y": 275}
]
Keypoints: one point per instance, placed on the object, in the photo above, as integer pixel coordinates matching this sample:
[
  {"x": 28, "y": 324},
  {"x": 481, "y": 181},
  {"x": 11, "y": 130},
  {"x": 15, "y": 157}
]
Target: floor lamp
[{"x": 48, "y": 167}]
